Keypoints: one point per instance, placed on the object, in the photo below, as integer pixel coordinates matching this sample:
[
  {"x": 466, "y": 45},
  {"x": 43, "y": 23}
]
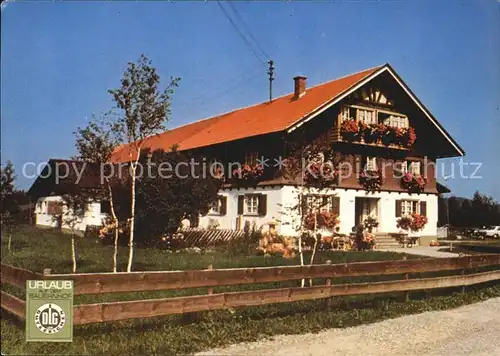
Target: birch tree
[
  {"x": 73, "y": 209},
  {"x": 143, "y": 111},
  {"x": 314, "y": 167},
  {"x": 95, "y": 144}
]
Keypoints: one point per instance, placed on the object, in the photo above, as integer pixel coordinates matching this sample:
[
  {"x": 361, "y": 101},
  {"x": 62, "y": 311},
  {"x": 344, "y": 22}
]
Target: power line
[
  {"x": 236, "y": 12},
  {"x": 238, "y": 81},
  {"x": 241, "y": 34}
]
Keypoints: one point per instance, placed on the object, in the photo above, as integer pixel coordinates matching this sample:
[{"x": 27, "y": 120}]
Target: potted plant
[
  {"x": 371, "y": 180},
  {"x": 412, "y": 224},
  {"x": 372, "y": 133},
  {"x": 405, "y": 137},
  {"x": 369, "y": 223},
  {"x": 389, "y": 135},
  {"x": 320, "y": 173},
  {"x": 349, "y": 129},
  {"x": 248, "y": 173},
  {"x": 413, "y": 183}
]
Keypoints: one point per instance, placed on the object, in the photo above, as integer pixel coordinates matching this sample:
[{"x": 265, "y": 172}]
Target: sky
[{"x": 58, "y": 59}]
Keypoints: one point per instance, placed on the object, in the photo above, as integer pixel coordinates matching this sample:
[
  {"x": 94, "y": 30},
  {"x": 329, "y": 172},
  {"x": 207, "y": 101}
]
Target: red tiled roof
[{"x": 255, "y": 120}]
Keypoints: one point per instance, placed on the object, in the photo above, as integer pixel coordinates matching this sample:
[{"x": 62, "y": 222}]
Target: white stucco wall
[
  {"x": 281, "y": 200},
  {"x": 229, "y": 221},
  {"x": 92, "y": 216}
]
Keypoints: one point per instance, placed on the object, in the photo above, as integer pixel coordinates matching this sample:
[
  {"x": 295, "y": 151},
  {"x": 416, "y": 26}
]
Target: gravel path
[{"x": 469, "y": 330}]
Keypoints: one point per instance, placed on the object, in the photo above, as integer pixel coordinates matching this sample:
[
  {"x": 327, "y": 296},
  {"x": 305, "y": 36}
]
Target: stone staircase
[{"x": 384, "y": 240}]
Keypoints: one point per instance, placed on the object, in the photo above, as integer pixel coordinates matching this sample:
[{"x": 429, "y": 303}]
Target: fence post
[
  {"x": 407, "y": 294},
  {"x": 328, "y": 283},
  {"x": 210, "y": 289}
]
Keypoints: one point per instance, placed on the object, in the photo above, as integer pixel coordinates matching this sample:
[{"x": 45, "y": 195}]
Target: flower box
[
  {"x": 413, "y": 183},
  {"x": 371, "y": 180}
]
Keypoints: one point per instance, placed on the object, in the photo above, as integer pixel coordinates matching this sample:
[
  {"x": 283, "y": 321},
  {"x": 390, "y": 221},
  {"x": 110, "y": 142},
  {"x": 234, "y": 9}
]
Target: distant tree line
[{"x": 481, "y": 210}]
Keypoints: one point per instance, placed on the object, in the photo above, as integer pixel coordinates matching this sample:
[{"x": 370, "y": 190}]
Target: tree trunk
[
  {"x": 115, "y": 224},
  {"x": 132, "y": 217},
  {"x": 73, "y": 251},
  {"x": 315, "y": 244},
  {"x": 10, "y": 241}
]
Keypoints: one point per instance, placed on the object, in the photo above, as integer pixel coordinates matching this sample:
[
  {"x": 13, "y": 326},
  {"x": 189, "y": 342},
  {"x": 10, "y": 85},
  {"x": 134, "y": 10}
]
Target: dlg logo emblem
[
  {"x": 49, "y": 310},
  {"x": 50, "y": 318}
]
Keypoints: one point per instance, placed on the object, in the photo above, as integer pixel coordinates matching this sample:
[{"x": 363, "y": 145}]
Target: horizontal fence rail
[
  {"x": 95, "y": 313},
  {"x": 13, "y": 305},
  {"x": 94, "y": 283},
  {"x": 17, "y": 276}
]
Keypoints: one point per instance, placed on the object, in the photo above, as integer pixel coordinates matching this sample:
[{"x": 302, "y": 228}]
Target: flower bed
[
  {"x": 413, "y": 183},
  {"x": 371, "y": 180}
]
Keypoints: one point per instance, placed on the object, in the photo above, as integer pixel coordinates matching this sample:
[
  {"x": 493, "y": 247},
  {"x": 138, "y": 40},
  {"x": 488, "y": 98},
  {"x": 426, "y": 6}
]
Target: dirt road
[{"x": 469, "y": 330}]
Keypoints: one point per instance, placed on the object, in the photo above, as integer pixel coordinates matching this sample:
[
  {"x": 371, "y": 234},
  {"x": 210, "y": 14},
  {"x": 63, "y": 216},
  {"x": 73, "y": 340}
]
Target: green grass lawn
[{"x": 37, "y": 249}]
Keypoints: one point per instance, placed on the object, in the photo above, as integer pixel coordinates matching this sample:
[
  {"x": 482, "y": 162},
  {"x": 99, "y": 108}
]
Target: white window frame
[
  {"x": 363, "y": 115},
  {"x": 371, "y": 164},
  {"x": 251, "y": 205},
  {"x": 346, "y": 113},
  {"x": 415, "y": 168},
  {"x": 404, "y": 167},
  {"x": 215, "y": 207},
  {"x": 409, "y": 207}
]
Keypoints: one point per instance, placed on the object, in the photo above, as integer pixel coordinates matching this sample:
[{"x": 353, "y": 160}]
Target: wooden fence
[
  {"x": 94, "y": 283},
  {"x": 197, "y": 237}
]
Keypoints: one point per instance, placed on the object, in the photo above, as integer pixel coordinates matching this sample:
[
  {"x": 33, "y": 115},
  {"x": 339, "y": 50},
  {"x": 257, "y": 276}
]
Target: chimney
[{"x": 300, "y": 86}]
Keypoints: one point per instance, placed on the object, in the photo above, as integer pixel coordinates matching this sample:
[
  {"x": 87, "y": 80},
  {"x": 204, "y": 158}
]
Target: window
[
  {"x": 404, "y": 167},
  {"x": 347, "y": 113},
  {"x": 367, "y": 116},
  {"x": 415, "y": 168},
  {"x": 321, "y": 202},
  {"x": 251, "y": 158},
  {"x": 251, "y": 205},
  {"x": 371, "y": 164},
  {"x": 393, "y": 120},
  {"x": 218, "y": 207},
  {"x": 409, "y": 207}
]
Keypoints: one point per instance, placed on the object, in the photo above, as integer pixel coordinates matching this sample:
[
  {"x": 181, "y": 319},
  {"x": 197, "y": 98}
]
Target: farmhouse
[{"x": 386, "y": 139}]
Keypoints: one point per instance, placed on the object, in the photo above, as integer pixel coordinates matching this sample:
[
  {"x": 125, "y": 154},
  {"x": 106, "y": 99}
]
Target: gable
[{"x": 368, "y": 90}]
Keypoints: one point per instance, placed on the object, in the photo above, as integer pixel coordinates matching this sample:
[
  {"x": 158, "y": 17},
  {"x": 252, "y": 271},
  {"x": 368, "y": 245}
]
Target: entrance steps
[{"x": 383, "y": 239}]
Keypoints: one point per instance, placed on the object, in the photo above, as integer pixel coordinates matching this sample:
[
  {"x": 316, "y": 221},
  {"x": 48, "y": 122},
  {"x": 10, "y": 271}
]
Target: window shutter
[
  {"x": 223, "y": 205},
  {"x": 262, "y": 204},
  {"x": 303, "y": 205},
  {"x": 335, "y": 204},
  {"x": 423, "y": 208},
  {"x": 398, "y": 208},
  {"x": 240, "y": 204}
]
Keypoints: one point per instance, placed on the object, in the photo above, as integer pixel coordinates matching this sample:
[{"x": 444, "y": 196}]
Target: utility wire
[
  {"x": 236, "y": 12},
  {"x": 242, "y": 35},
  {"x": 205, "y": 97}
]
